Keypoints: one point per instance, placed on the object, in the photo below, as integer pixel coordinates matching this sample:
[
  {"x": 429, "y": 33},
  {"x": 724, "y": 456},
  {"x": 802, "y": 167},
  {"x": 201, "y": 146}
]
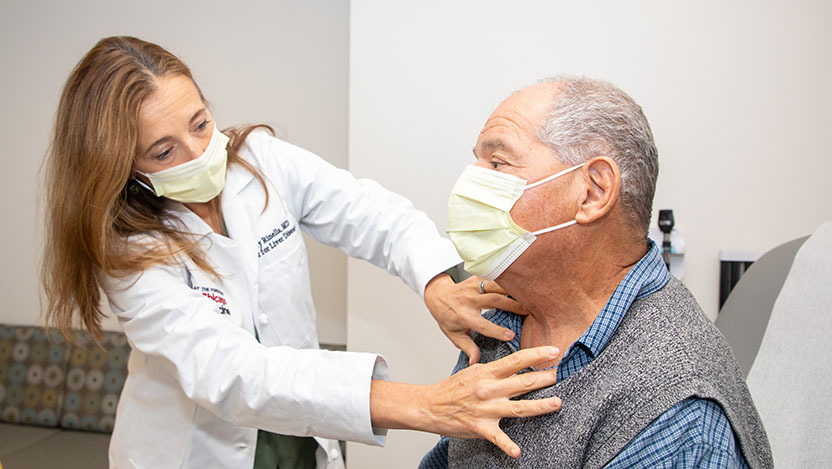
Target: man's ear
[{"x": 603, "y": 186}]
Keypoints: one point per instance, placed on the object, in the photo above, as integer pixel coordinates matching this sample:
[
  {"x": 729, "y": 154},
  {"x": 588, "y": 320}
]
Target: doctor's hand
[
  {"x": 457, "y": 307},
  {"x": 470, "y": 403}
]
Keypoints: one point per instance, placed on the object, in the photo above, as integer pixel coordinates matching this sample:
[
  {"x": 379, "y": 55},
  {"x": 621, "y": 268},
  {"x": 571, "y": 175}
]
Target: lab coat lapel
[{"x": 239, "y": 218}]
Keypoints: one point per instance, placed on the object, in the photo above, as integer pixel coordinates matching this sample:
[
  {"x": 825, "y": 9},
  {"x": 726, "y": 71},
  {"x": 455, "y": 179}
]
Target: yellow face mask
[
  {"x": 479, "y": 222},
  {"x": 198, "y": 180}
]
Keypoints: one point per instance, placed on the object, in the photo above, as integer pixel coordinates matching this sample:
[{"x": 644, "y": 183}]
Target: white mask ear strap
[
  {"x": 142, "y": 183},
  {"x": 556, "y": 175},
  {"x": 556, "y": 227}
]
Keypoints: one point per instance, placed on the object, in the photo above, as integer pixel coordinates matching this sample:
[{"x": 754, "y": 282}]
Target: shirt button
[
  {"x": 264, "y": 320},
  {"x": 333, "y": 453}
]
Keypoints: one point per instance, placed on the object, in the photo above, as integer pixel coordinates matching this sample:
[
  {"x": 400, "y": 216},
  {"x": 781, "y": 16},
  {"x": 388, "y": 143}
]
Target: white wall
[
  {"x": 737, "y": 94},
  {"x": 278, "y": 62}
]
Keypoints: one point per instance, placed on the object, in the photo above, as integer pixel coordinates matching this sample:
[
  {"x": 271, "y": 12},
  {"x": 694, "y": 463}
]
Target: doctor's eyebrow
[{"x": 196, "y": 116}]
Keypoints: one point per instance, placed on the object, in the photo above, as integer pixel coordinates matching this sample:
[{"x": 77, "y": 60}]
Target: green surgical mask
[
  {"x": 198, "y": 180},
  {"x": 479, "y": 222}
]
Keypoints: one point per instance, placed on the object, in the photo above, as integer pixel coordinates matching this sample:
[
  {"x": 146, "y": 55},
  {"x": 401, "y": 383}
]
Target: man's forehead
[
  {"x": 532, "y": 102},
  {"x": 524, "y": 111}
]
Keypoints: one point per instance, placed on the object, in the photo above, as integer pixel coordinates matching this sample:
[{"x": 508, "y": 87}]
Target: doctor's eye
[
  {"x": 164, "y": 155},
  {"x": 202, "y": 126},
  {"x": 496, "y": 164}
]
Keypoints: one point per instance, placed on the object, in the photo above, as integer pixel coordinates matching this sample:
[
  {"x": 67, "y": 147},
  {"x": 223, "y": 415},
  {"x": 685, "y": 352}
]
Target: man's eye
[{"x": 496, "y": 164}]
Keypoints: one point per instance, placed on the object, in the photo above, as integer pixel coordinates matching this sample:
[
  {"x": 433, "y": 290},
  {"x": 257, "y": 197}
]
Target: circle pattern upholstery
[{"x": 48, "y": 382}]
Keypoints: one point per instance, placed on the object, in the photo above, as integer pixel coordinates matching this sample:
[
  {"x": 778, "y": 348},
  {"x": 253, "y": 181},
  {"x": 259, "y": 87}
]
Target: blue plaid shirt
[{"x": 693, "y": 433}]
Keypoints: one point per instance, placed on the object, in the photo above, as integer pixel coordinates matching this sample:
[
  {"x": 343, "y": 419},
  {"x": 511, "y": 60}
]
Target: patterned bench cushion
[
  {"x": 94, "y": 378},
  {"x": 45, "y": 381},
  {"x": 32, "y": 373}
]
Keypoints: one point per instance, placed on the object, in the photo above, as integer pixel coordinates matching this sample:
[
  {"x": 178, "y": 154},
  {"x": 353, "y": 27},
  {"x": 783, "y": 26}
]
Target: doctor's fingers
[
  {"x": 486, "y": 327},
  {"x": 522, "y": 383},
  {"x": 508, "y": 366},
  {"x": 464, "y": 342},
  {"x": 488, "y": 294},
  {"x": 490, "y": 286},
  {"x": 491, "y": 431},
  {"x": 501, "y": 301}
]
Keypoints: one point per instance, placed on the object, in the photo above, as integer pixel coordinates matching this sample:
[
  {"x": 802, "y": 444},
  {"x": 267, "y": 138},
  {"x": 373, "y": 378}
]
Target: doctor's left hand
[
  {"x": 470, "y": 403},
  {"x": 457, "y": 307}
]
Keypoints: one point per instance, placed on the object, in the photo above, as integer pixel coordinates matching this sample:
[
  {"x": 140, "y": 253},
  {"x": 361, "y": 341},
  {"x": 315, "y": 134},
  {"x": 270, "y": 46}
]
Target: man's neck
[{"x": 563, "y": 303}]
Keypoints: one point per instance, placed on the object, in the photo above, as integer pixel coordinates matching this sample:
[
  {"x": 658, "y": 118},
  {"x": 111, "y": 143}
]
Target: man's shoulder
[
  {"x": 694, "y": 429},
  {"x": 673, "y": 313},
  {"x": 674, "y": 295},
  {"x": 668, "y": 333},
  {"x": 700, "y": 422}
]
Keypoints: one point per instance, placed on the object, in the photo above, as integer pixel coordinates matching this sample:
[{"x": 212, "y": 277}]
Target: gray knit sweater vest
[{"x": 664, "y": 351}]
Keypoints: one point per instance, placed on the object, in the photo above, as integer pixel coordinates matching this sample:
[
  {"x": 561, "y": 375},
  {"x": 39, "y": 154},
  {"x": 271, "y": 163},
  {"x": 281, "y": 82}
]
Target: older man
[{"x": 557, "y": 209}]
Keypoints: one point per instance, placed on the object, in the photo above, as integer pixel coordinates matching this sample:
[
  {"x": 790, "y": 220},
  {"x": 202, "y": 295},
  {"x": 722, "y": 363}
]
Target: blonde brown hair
[{"x": 92, "y": 206}]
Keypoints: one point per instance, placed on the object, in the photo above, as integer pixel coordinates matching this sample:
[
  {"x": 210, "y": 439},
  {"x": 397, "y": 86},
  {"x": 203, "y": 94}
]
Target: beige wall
[
  {"x": 278, "y": 62},
  {"x": 737, "y": 94}
]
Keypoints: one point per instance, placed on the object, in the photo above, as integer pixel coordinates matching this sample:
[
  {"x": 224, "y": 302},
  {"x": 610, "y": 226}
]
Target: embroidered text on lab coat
[
  {"x": 217, "y": 296},
  {"x": 270, "y": 241}
]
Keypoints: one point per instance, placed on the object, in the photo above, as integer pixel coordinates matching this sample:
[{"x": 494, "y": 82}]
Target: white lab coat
[{"x": 199, "y": 384}]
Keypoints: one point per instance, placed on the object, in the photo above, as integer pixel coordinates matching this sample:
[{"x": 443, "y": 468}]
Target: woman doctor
[{"x": 193, "y": 234}]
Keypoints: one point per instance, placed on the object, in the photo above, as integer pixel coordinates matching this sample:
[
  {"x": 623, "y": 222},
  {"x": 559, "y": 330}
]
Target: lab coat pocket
[
  {"x": 278, "y": 243},
  {"x": 286, "y": 312}
]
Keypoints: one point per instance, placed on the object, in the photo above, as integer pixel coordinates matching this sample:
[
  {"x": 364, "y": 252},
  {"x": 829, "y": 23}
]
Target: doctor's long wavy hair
[{"x": 92, "y": 206}]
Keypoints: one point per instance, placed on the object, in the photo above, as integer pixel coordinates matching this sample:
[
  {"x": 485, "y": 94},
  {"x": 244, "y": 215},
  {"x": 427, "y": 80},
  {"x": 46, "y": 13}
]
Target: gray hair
[{"x": 590, "y": 118}]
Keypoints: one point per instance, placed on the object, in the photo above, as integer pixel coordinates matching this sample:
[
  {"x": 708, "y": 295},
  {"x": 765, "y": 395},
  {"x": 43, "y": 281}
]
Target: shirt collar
[{"x": 647, "y": 276}]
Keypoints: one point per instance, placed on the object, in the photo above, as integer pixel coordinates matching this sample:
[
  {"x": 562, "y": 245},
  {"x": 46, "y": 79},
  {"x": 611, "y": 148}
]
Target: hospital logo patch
[{"x": 217, "y": 296}]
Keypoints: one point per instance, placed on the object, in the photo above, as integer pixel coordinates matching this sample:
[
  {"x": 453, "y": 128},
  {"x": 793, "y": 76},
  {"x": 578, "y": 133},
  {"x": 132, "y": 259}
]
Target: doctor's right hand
[
  {"x": 457, "y": 308},
  {"x": 470, "y": 403}
]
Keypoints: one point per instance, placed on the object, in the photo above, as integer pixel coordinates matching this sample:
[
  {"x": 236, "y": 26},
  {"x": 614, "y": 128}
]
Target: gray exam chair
[
  {"x": 778, "y": 320},
  {"x": 744, "y": 316}
]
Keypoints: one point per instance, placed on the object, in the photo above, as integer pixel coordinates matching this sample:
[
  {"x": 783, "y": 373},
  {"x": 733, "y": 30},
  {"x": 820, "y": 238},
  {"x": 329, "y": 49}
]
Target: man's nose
[{"x": 482, "y": 162}]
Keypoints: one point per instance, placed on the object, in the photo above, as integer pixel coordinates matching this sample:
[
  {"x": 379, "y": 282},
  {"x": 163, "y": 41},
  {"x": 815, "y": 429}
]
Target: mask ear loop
[
  {"x": 556, "y": 227},
  {"x": 554, "y": 176},
  {"x": 143, "y": 184},
  {"x": 547, "y": 179}
]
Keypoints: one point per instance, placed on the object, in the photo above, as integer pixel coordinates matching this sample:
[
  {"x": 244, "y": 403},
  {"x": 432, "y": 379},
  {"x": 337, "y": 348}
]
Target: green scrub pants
[{"x": 284, "y": 452}]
